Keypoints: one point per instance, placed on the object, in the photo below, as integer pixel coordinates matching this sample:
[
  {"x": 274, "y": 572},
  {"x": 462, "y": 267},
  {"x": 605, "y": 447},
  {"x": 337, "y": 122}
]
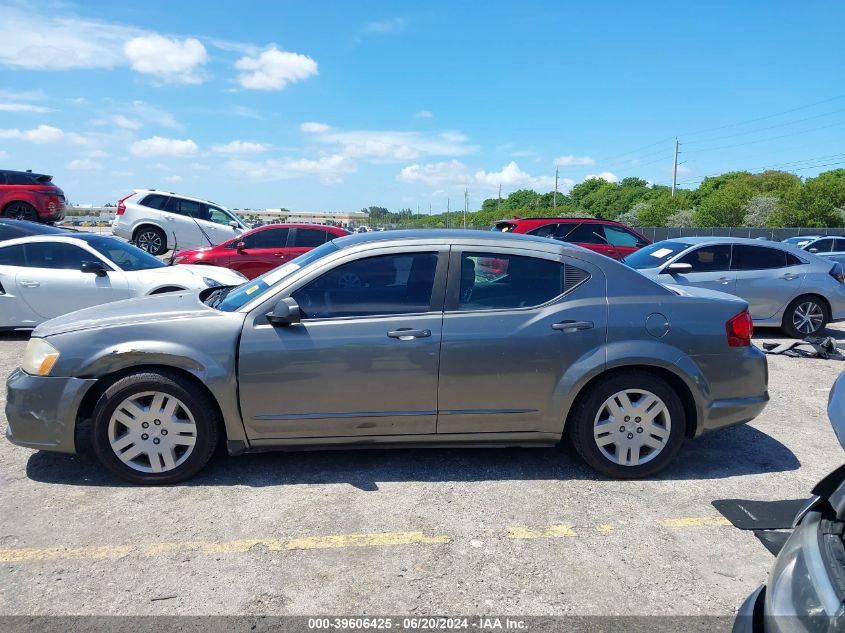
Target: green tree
[{"x": 759, "y": 211}]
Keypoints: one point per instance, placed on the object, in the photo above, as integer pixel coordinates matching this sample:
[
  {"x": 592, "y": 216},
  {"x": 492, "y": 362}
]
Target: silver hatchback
[{"x": 784, "y": 286}]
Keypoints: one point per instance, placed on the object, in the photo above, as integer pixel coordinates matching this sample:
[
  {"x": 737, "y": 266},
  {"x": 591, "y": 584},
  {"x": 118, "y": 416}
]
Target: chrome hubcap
[
  {"x": 149, "y": 241},
  {"x": 808, "y": 317},
  {"x": 152, "y": 432},
  {"x": 632, "y": 427}
]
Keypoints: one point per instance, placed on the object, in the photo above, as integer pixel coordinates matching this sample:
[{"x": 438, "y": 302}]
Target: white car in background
[
  {"x": 45, "y": 276},
  {"x": 158, "y": 221}
]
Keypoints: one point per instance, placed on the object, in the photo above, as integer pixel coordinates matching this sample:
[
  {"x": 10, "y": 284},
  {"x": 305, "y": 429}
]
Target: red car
[
  {"x": 255, "y": 252},
  {"x": 607, "y": 237},
  {"x": 32, "y": 197}
]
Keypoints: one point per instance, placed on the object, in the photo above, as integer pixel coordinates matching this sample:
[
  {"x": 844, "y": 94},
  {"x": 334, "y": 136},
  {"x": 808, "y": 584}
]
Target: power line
[
  {"x": 771, "y": 138},
  {"x": 763, "y": 129},
  {"x": 797, "y": 165}
]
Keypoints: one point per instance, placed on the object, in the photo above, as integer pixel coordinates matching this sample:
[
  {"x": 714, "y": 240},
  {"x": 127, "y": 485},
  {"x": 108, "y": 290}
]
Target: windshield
[
  {"x": 655, "y": 254},
  {"x": 230, "y": 299},
  {"x": 126, "y": 256}
]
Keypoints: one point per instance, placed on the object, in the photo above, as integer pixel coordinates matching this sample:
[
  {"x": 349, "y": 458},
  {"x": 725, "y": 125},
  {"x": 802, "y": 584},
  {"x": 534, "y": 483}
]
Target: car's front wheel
[
  {"x": 630, "y": 424},
  {"x": 154, "y": 428},
  {"x": 805, "y": 316}
]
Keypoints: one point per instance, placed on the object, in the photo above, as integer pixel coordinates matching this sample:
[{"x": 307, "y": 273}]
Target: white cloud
[
  {"x": 386, "y": 146},
  {"x": 241, "y": 147},
  {"x": 329, "y": 169},
  {"x": 274, "y": 69},
  {"x": 381, "y": 27},
  {"x": 4, "y": 155},
  {"x": 570, "y": 160},
  {"x": 424, "y": 114},
  {"x": 174, "y": 179},
  {"x": 314, "y": 128},
  {"x": 23, "y": 95},
  {"x": 84, "y": 164},
  {"x": 512, "y": 176},
  {"x": 169, "y": 59},
  {"x": 22, "y": 107},
  {"x": 436, "y": 174},
  {"x": 120, "y": 121},
  {"x": 605, "y": 175},
  {"x": 683, "y": 170},
  {"x": 153, "y": 114},
  {"x": 41, "y": 134},
  {"x": 158, "y": 146}
]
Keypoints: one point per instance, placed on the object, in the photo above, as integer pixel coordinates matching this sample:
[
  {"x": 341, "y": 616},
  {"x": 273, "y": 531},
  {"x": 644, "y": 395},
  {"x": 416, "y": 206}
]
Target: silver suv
[{"x": 158, "y": 221}]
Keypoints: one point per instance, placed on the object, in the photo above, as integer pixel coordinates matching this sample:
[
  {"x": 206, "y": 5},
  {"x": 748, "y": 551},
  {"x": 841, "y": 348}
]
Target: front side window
[
  {"x": 216, "y": 215},
  {"x": 620, "y": 237},
  {"x": 821, "y": 246},
  {"x": 383, "y": 285},
  {"x": 56, "y": 255},
  {"x": 708, "y": 258},
  {"x": 268, "y": 238},
  {"x": 757, "y": 258},
  {"x": 309, "y": 238},
  {"x": 12, "y": 256},
  {"x": 184, "y": 207},
  {"x": 584, "y": 233},
  {"x": 839, "y": 244},
  {"x": 491, "y": 281}
]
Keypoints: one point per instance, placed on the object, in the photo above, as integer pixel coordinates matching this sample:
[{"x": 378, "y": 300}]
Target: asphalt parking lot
[{"x": 512, "y": 531}]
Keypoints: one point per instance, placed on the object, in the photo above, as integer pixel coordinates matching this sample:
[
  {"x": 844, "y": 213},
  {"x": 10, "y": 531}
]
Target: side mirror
[
  {"x": 234, "y": 224},
  {"x": 813, "y": 250},
  {"x": 285, "y": 313},
  {"x": 676, "y": 268},
  {"x": 240, "y": 246},
  {"x": 94, "y": 267}
]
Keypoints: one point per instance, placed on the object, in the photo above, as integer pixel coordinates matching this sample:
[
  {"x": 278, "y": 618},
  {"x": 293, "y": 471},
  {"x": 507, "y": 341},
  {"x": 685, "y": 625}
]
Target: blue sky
[{"x": 340, "y": 105}]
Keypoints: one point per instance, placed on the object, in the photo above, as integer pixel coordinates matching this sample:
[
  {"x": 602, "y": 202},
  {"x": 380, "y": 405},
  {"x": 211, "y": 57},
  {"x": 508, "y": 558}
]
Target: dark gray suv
[{"x": 417, "y": 338}]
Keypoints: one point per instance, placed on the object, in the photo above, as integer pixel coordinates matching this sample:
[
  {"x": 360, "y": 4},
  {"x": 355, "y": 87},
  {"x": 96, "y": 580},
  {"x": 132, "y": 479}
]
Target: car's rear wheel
[
  {"x": 628, "y": 425},
  {"x": 21, "y": 211},
  {"x": 806, "y": 315},
  {"x": 154, "y": 428},
  {"x": 151, "y": 239}
]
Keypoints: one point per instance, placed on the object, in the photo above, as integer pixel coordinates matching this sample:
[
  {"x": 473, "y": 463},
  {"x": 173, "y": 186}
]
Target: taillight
[
  {"x": 121, "y": 208},
  {"x": 836, "y": 273},
  {"x": 739, "y": 329}
]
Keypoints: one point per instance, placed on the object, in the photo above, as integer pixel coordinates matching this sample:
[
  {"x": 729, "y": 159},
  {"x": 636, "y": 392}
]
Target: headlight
[
  {"x": 211, "y": 283},
  {"x": 39, "y": 357}
]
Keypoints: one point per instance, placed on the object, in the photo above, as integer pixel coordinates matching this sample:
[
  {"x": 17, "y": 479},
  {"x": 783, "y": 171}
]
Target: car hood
[
  {"x": 164, "y": 307},
  {"x": 224, "y": 275}
]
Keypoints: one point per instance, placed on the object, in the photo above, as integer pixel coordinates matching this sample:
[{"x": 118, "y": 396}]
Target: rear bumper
[
  {"x": 722, "y": 413},
  {"x": 749, "y": 618},
  {"x": 42, "y": 410},
  {"x": 738, "y": 388}
]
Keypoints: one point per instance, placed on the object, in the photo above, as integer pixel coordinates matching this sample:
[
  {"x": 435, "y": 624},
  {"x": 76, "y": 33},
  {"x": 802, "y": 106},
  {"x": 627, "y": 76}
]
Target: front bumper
[{"x": 42, "y": 410}]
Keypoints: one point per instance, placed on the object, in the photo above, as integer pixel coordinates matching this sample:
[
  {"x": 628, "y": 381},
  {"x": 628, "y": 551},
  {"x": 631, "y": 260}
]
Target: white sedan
[{"x": 45, "y": 276}]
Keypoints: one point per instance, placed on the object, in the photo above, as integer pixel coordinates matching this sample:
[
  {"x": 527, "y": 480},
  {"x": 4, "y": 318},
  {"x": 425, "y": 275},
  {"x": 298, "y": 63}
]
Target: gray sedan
[
  {"x": 785, "y": 286},
  {"x": 439, "y": 338}
]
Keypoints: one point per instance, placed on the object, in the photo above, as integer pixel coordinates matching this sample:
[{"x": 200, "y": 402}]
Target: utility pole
[
  {"x": 447, "y": 212},
  {"x": 429, "y": 208},
  {"x": 554, "y": 197},
  {"x": 499, "y": 200},
  {"x": 466, "y": 205},
  {"x": 675, "y": 168}
]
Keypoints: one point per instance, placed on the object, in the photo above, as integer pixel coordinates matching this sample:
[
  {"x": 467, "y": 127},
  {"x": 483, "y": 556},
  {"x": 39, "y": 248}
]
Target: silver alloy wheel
[
  {"x": 152, "y": 432},
  {"x": 808, "y": 317},
  {"x": 149, "y": 241},
  {"x": 632, "y": 427}
]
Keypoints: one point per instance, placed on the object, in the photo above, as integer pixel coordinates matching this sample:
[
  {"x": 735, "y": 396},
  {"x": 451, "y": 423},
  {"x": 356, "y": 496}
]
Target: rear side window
[
  {"x": 268, "y": 238},
  {"x": 56, "y": 255},
  {"x": 547, "y": 230},
  {"x": 503, "y": 227},
  {"x": 184, "y": 207},
  {"x": 757, "y": 258},
  {"x": 708, "y": 258},
  {"x": 581, "y": 233},
  {"x": 388, "y": 284},
  {"x": 19, "y": 179},
  {"x": 309, "y": 238},
  {"x": 155, "y": 201},
  {"x": 12, "y": 255},
  {"x": 495, "y": 281}
]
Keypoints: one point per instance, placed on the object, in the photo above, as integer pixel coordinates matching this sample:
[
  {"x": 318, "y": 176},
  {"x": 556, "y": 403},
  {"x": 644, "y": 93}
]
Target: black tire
[
  {"x": 21, "y": 211},
  {"x": 808, "y": 305},
  {"x": 583, "y": 418},
  {"x": 196, "y": 402},
  {"x": 151, "y": 239}
]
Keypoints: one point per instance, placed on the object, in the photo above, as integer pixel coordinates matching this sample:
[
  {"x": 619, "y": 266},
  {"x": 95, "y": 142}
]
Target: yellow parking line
[
  {"x": 688, "y": 522},
  {"x": 225, "y": 547},
  {"x": 548, "y": 531}
]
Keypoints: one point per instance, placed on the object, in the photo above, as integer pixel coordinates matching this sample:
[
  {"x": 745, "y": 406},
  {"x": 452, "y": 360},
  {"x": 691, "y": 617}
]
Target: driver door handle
[
  {"x": 572, "y": 326},
  {"x": 30, "y": 284},
  {"x": 790, "y": 276},
  {"x": 408, "y": 334}
]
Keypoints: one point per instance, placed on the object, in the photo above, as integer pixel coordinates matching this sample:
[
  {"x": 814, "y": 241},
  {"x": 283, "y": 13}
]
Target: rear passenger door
[
  {"x": 180, "y": 216},
  {"x": 768, "y": 278},
  {"x": 711, "y": 268},
  {"x": 515, "y": 322},
  {"x": 303, "y": 240}
]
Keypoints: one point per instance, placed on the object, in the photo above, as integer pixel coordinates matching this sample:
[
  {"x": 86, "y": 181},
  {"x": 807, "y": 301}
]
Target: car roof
[
  {"x": 178, "y": 195},
  {"x": 24, "y": 173},
  {"x": 715, "y": 239},
  {"x": 56, "y": 237},
  {"x": 32, "y": 228},
  {"x": 446, "y": 236},
  {"x": 295, "y": 225},
  {"x": 559, "y": 219}
]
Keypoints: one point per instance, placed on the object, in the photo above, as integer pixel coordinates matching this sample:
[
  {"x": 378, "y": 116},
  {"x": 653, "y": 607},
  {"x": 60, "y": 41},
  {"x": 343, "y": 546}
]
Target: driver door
[
  {"x": 711, "y": 268},
  {"x": 362, "y": 362}
]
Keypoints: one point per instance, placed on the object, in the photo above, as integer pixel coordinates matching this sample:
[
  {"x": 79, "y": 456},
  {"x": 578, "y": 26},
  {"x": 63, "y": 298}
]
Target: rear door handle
[
  {"x": 572, "y": 326},
  {"x": 790, "y": 276},
  {"x": 724, "y": 280},
  {"x": 408, "y": 334},
  {"x": 30, "y": 284}
]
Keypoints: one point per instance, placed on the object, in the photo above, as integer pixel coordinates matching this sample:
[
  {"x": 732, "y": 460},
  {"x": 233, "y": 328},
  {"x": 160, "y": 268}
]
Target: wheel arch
[{"x": 146, "y": 223}]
